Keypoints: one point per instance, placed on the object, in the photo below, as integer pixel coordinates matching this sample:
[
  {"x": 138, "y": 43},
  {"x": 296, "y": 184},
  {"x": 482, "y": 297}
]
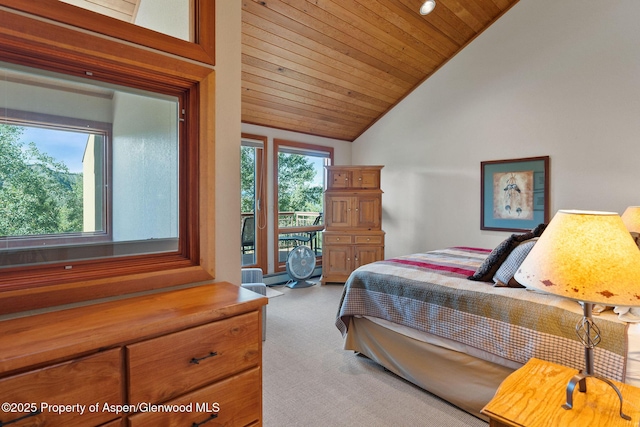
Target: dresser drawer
[
  {"x": 373, "y": 240},
  {"x": 121, "y": 422},
  {"x": 233, "y": 402},
  {"x": 79, "y": 383},
  {"x": 346, "y": 239},
  {"x": 168, "y": 366}
]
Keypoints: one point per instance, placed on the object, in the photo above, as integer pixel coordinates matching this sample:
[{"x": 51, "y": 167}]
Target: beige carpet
[
  {"x": 272, "y": 293},
  {"x": 309, "y": 380}
]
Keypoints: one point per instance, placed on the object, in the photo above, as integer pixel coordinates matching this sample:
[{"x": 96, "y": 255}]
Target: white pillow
[
  {"x": 628, "y": 314},
  {"x": 505, "y": 273}
]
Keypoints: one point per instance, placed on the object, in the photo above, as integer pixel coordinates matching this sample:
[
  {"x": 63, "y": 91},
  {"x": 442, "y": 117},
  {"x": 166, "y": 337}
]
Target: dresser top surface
[{"x": 43, "y": 338}]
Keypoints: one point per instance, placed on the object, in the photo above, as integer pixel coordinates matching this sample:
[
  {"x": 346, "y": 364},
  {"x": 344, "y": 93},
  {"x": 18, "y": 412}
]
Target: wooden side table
[{"x": 533, "y": 397}]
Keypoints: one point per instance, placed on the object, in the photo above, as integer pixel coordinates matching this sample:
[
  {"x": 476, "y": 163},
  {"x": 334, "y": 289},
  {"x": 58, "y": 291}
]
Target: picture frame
[{"x": 514, "y": 193}]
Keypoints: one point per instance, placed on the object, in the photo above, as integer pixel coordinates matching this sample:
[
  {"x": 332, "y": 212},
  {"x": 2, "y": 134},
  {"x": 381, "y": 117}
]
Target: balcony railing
[
  {"x": 298, "y": 219},
  {"x": 294, "y": 228}
]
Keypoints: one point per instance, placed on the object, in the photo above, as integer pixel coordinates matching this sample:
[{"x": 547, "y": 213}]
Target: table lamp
[
  {"x": 589, "y": 257},
  {"x": 631, "y": 219}
]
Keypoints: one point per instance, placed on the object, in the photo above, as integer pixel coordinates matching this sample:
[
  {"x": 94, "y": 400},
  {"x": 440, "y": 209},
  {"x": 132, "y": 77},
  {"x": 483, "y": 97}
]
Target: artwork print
[{"x": 513, "y": 195}]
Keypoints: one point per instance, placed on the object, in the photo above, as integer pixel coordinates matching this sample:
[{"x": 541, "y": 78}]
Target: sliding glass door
[
  {"x": 253, "y": 215},
  {"x": 299, "y": 187}
]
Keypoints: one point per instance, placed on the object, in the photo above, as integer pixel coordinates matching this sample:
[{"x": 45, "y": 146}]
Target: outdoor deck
[{"x": 296, "y": 228}]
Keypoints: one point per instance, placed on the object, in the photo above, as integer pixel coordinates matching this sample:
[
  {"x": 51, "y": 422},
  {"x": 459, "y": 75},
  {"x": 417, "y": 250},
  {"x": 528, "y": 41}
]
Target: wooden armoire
[{"x": 353, "y": 233}]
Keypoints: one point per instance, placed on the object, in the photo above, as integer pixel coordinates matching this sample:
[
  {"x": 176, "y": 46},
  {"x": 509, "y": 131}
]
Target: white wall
[
  {"x": 227, "y": 143},
  {"x": 341, "y": 156},
  {"x": 556, "y": 78}
]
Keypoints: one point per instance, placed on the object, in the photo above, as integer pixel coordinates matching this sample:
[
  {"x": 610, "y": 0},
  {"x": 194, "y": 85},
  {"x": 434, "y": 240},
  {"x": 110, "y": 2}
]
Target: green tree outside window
[
  {"x": 38, "y": 194},
  {"x": 296, "y": 174}
]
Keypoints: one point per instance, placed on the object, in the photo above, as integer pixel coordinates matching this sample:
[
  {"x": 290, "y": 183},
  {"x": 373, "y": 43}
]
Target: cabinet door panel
[
  {"x": 366, "y": 179},
  {"x": 367, "y": 212},
  {"x": 367, "y": 254},
  {"x": 339, "y": 208},
  {"x": 339, "y": 179},
  {"x": 340, "y": 259}
]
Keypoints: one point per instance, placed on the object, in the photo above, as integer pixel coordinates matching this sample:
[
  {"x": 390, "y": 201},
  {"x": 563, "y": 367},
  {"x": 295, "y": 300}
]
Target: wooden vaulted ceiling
[{"x": 333, "y": 67}]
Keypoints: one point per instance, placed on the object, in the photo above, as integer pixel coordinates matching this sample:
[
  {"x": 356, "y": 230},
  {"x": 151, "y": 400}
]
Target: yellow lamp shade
[
  {"x": 631, "y": 219},
  {"x": 586, "y": 256}
]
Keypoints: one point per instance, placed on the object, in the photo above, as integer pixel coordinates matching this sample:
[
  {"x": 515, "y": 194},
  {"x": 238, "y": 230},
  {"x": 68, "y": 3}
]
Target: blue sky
[
  {"x": 67, "y": 147},
  {"x": 318, "y": 164}
]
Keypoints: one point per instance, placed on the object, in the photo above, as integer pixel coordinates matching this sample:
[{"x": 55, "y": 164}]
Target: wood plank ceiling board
[{"x": 332, "y": 68}]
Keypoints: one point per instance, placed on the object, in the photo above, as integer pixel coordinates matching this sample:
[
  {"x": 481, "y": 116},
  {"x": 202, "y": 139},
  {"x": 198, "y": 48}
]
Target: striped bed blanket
[{"x": 430, "y": 292}]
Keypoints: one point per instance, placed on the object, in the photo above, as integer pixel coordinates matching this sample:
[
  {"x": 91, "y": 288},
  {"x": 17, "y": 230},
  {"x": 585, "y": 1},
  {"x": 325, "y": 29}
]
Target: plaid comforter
[{"x": 430, "y": 292}]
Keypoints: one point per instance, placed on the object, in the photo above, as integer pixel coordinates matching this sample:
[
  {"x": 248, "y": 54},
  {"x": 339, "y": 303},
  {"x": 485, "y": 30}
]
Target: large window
[
  {"x": 299, "y": 187},
  {"x": 73, "y": 188},
  {"x": 126, "y": 216}
]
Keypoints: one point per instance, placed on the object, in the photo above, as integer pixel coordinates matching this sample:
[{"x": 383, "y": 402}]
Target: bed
[{"x": 421, "y": 317}]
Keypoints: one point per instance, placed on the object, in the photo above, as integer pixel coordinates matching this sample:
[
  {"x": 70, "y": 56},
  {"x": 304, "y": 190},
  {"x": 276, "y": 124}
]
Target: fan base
[{"x": 300, "y": 284}]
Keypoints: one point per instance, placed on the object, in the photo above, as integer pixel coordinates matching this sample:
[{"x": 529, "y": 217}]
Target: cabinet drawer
[
  {"x": 81, "y": 382},
  {"x": 342, "y": 239},
  {"x": 115, "y": 423},
  {"x": 165, "y": 367},
  {"x": 235, "y": 401},
  {"x": 369, "y": 239}
]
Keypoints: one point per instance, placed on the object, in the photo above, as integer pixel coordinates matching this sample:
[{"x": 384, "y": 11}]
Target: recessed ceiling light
[{"x": 427, "y": 7}]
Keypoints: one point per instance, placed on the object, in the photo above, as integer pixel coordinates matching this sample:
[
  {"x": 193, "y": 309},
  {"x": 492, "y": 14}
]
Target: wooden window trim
[
  {"x": 280, "y": 266},
  {"x": 31, "y": 42},
  {"x": 202, "y": 49}
]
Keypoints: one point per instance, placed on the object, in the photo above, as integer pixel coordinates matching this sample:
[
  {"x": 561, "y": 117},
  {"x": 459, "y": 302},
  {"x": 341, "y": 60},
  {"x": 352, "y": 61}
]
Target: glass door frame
[
  {"x": 260, "y": 203},
  {"x": 301, "y": 147}
]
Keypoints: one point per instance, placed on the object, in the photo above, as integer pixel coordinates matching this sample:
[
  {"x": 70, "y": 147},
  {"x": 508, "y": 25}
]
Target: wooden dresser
[
  {"x": 353, "y": 221},
  {"x": 189, "y": 357}
]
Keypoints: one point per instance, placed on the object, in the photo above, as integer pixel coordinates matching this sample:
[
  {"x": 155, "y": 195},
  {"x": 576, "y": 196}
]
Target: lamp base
[
  {"x": 589, "y": 335},
  {"x": 581, "y": 379}
]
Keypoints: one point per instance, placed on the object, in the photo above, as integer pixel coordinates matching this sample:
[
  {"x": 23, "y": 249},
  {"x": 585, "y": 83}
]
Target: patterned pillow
[
  {"x": 488, "y": 269},
  {"x": 504, "y": 275}
]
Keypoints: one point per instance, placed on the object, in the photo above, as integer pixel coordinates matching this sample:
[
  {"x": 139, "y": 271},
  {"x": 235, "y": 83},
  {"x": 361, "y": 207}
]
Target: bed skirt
[{"x": 465, "y": 381}]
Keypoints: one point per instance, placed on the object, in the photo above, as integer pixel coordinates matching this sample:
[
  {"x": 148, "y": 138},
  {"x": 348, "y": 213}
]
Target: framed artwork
[{"x": 515, "y": 194}]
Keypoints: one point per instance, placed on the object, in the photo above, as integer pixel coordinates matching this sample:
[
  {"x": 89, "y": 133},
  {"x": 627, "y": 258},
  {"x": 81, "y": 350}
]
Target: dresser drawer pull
[
  {"x": 24, "y": 417},
  {"x": 211, "y": 417},
  {"x": 197, "y": 361}
]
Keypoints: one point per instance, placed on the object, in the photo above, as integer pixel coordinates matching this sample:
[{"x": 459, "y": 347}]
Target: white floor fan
[{"x": 301, "y": 262}]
